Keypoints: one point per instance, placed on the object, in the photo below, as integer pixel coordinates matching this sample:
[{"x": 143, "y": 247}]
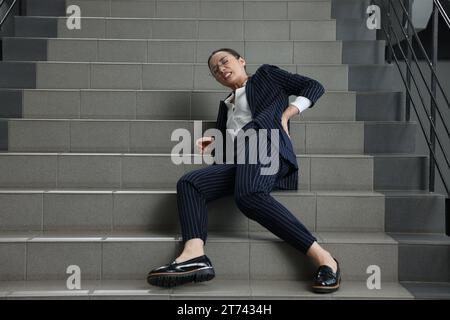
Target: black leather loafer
[
  {"x": 170, "y": 275},
  {"x": 326, "y": 280}
]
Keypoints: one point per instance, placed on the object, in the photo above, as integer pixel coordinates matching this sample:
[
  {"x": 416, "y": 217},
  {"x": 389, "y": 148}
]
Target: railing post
[
  {"x": 447, "y": 215},
  {"x": 434, "y": 58},
  {"x": 389, "y": 25},
  {"x": 408, "y": 56}
]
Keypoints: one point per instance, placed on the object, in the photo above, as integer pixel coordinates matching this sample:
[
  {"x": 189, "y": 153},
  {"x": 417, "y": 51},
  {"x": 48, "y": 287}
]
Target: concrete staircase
[{"x": 85, "y": 171}]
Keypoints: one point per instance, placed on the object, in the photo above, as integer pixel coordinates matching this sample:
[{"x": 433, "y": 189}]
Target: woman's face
[{"x": 227, "y": 70}]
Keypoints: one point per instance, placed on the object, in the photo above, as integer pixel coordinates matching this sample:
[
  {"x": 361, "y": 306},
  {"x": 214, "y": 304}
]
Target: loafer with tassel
[
  {"x": 173, "y": 274},
  {"x": 327, "y": 281}
]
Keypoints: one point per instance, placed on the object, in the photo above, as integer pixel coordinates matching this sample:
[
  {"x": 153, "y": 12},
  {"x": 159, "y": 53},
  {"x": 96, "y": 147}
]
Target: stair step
[
  {"x": 428, "y": 290},
  {"x": 155, "y": 171},
  {"x": 85, "y": 75},
  {"x": 154, "y": 136},
  {"x": 137, "y": 171},
  {"x": 423, "y": 257},
  {"x": 417, "y": 212},
  {"x": 354, "y": 29},
  {"x": 182, "y": 105},
  {"x": 257, "y": 255},
  {"x": 396, "y": 172},
  {"x": 421, "y": 238},
  {"x": 215, "y": 289},
  {"x": 179, "y": 28},
  {"x": 60, "y": 210},
  {"x": 380, "y": 106},
  {"x": 191, "y": 51},
  {"x": 349, "y": 9},
  {"x": 414, "y": 211},
  {"x": 202, "y": 9}
]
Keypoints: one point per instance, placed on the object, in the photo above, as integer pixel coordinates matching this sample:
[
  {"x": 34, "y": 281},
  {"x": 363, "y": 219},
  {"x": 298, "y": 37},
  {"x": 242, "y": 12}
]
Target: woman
[{"x": 259, "y": 101}]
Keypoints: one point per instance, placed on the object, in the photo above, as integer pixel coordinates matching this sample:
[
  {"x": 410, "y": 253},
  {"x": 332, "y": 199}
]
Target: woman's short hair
[{"x": 229, "y": 50}]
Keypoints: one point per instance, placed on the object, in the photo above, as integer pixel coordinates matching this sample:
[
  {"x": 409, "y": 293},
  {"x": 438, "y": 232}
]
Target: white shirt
[{"x": 239, "y": 113}]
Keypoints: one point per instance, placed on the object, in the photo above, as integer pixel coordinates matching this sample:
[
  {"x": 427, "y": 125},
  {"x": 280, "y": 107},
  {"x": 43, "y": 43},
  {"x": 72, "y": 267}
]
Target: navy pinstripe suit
[{"x": 267, "y": 93}]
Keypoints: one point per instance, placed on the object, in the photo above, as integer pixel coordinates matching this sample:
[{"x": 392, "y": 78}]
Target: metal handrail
[
  {"x": 416, "y": 60},
  {"x": 434, "y": 82},
  {"x": 388, "y": 37},
  {"x": 7, "y": 12},
  {"x": 422, "y": 48},
  {"x": 422, "y": 100},
  {"x": 442, "y": 12},
  {"x": 409, "y": 33}
]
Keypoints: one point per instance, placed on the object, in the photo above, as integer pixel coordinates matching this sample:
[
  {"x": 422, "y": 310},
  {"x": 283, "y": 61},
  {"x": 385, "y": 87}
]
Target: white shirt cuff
[{"x": 302, "y": 103}]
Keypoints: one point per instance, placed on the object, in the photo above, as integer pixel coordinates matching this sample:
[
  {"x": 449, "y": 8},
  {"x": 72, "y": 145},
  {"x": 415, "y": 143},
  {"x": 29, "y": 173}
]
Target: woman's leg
[
  {"x": 252, "y": 195},
  {"x": 194, "y": 190}
]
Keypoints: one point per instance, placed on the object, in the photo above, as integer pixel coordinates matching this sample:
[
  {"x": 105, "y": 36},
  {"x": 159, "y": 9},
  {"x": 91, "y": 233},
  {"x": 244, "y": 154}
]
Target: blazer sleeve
[{"x": 294, "y": 84}]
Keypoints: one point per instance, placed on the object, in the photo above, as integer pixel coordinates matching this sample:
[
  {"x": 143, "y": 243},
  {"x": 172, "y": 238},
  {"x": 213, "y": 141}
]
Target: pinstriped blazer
[{"x": 267, "y": 93}]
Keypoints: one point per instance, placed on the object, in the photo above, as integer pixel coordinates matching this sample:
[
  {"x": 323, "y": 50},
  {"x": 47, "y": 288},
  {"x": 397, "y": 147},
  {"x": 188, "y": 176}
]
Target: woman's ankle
[
  {"x": 321, "y": 257},
  {"x": 188, "y": 256}
]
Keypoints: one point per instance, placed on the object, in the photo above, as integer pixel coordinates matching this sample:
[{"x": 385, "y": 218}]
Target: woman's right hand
[
  {"x": 203, "y": 143},
  {"x": 284, "y": 124}
]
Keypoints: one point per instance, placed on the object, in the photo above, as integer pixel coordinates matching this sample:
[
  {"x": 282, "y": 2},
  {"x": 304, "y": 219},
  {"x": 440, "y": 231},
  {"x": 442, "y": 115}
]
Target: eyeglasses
[{"x": 223, "y": 62}]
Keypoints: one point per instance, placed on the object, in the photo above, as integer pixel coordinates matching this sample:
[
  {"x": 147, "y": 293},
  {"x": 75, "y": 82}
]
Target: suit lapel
[{"x": 249, "y": 95}]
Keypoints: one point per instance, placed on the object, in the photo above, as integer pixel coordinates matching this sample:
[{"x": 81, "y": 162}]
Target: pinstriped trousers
[{"x": 251, "y": 192}]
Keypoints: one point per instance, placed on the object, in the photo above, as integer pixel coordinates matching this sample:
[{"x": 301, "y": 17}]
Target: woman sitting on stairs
[{"x": 258, "y": 101}]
